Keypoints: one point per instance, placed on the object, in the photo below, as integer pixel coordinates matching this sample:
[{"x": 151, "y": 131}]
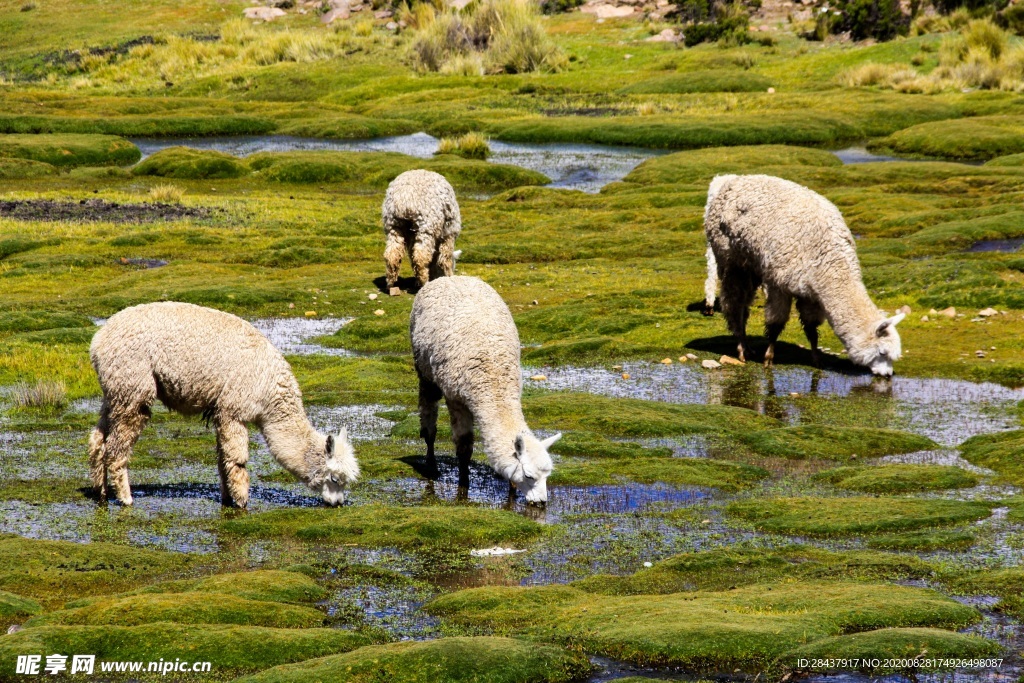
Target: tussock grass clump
[
  {"x": 43, "y": 394},
  {"x": 893, "y": 644},
  {"x": 166, "y": 193},
  {"x": 924, "y": 541},
  {"x": 266, "y": 585},
  {"x": 845, "y": 516},
  {"x": 14, "y": 608},
  {"x": 191, "y": 164},
  {"x": 453, "y": 660},
  {"x": 498, "y": 35},
  {"x": 17, "y": 169},
  {"x": 728, "y": 476},
  {"x": 898, "y": 478},
  {"x": 470, "y": 146},
  {"x": 67, "y": 149},
  {"x": 834, "y": 443},
  {"x": 1002, "y": 452}
]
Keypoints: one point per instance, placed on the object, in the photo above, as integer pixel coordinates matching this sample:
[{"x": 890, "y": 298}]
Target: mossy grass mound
[
  {"x": 19, "y": 169},
  {"x": 931, "y": 645},
  {"x": 594, "y": 445},
  {"x": 192, "y": 164},
  {"x": 834, "y": 443},
  {"x": 1002, "y": 452},
  {"x": 265, "y": 584},
  {"x": 860, "y": 515},
  {"x": 386, "y": 526},
  {"x": 977, "y": 138},
  {"x": 67, "y": 150},
  {"x": 726, "y": 568},
  {"x": 711, "y": 80},
  {"x": 729, "y": 476},
  {"x": 898, "y": 478},
  {"x": 231, "y": 650},
  {"x": 924, "y": 541},
  {"x": 183, "y": 608},
  {"x": 35, "y": 321},
  {"x": 15, "y": 608},
  {"x": 55, "y": 571},
  {"x": 453, "y": 660},
  {"x": 374, "y": 170},
  {"x": 1008, "y": 161},
  {"x": 746, "y": 628},
  {"x": 1007, "y": 584}
]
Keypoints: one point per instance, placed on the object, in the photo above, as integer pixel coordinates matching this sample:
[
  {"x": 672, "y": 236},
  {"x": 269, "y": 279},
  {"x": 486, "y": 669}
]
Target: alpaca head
[
  {"x": 340, "y": 467},
  {"x": 531, "y": 467},
  {"x": 880, "y": 348}
]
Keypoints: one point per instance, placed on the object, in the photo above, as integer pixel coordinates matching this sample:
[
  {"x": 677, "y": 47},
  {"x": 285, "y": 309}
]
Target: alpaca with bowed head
[
  {"x": 421, "y": 216},
  {"x": 766, "y": 230},
  {"x": 466, "y": 349},
  {"x": 198, "y": 361}
]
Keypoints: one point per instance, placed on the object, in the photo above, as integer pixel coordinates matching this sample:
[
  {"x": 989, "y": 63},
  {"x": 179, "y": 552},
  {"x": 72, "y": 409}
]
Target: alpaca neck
[
  {"x": 498, "y": 432},
  {"x": 850, "y": 310},
  {"x": 295, "y": 444}
]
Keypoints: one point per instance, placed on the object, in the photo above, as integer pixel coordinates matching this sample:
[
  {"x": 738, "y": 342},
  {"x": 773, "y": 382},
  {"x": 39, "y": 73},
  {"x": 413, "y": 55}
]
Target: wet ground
[
  {"x": 1007, "y": 246},
  {"x": 89, "y": 210}
]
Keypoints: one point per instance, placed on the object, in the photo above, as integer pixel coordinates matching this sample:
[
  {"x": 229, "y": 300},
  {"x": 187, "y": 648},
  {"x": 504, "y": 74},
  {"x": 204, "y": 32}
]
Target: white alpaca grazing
[
  {"x": 762, "y": 229},
  {"x": 200, "y": 361},
  {"x": 466, "y": 348}
]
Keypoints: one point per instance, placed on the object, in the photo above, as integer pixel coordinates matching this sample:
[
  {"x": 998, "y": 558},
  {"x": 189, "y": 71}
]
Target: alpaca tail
[
  {"x": 98, "y": 462},
  {"x": 710, "y": 284}
]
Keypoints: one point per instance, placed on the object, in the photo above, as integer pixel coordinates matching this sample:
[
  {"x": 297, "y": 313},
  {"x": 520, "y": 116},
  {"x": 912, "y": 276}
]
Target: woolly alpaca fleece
[
  {"x": 762, "y": 229},
  {"x": 200, "y": 361},
  {"x": 421, "y": 216},
  {"x": 466, "y": 348}
]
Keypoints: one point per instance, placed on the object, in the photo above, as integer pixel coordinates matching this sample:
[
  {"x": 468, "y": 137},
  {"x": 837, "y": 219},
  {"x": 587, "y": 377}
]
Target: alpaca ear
[
  {"x": 549, "y": 442},
  {"x": 330, "y": 445},
  {"x": 883, "y": 327},
  {"x": 343, "y": 434}
]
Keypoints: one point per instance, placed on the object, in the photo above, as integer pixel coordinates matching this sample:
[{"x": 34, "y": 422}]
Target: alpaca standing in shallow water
[
  {"x": 421, "y": 216},
  {"x": 466, "y": 348},
  {"x": 200, "y": 361},
  {"x": 762, "y": 229}
]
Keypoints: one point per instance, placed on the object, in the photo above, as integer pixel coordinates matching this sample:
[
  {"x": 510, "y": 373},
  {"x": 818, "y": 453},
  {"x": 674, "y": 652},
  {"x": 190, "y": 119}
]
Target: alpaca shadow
[
  {"x": 408, "y": 285},
  {"x": 263, "y": 494},
  {"x": 698, "y": 306},
  {"x": 785, "y": 353},
  {"x": 421, "y": 467}
]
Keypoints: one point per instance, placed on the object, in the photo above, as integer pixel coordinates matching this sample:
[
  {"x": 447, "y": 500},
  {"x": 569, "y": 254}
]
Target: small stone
[
  {"x": 771, "y": 91},
  {"x": 794, "y": 394},
  {"x": 13, "y": 628},
  {"x": 336, "y": 13},
  {"x": 710, "y": 364},
  {"x": 379, "y": 311},
  {"x": 948, "y": 312},
  {"x": 666, "y": 361},
  {"x": 853, "y": 457},
  {"x": 987, "y": 312},
  {"x": 625, "y": 375},
  {"x": 534, "y": 302},
  {"x": 394, "y": 291},
  {"x": 991, "y": 348},
  {"x": 925, "y": 318},
  {"x": 904, "y": 309},
  {"x": 263, "y": 13},
  {"x": 373, "y": 296},
  {"x": 648, "y": 564},
  {"x": 291, "y": 305},
  {"x": 979, "y": 353},
  {"x": 539, "y": 378},
  {"x": 683, "y": 359},
  {"x": 391, "y": 26},
  {"x": 616, "y": 367},
  {"x": 383, "y": 14},
  {"x": 729, "y": 360},
  {"x": 705, "y": 521},
  {"x": 691, "y": 356},
  {"x": 310, "y": 314}
]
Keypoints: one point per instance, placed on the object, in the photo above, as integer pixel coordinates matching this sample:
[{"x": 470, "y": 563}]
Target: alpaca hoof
[
  {"x": 768, "y": 363},
  {"x": 394, "y": 291},
  {"x": 707, "y": 311}
]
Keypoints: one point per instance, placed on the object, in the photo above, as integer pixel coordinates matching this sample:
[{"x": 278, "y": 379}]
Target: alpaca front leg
[
  {"x": 393, "y": 252},
  {"x": 462, "y": 435},
  {"x": 97, "y": 453},
  {"x": 430, "y": 394},
  {"x": 232, "y": 456}
]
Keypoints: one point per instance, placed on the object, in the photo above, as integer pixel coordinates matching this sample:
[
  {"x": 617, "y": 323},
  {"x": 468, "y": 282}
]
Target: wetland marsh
[{"x": 702, "y": 523}]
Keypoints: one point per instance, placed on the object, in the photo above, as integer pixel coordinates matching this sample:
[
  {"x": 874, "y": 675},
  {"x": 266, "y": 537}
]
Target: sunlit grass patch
[
  {"x": 898, "y": 478},
  {"x": 834, "y": 443}
]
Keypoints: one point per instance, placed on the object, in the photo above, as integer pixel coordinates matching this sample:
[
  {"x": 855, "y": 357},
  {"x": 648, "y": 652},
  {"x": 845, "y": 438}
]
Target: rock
[
  {"x": 263, "y": 13},
  {"x": 391, "y": 26},
  {"x": 534, "y": 302},
  {"x": 13, "y": 628},
  {"x": 606, "y": 11},
  {"x": 691, "y": 356},
  {"x": 539, "y": 378},
  {"x": 710, "y": 364},
  {"x": 379, "y": 311},
  {"x": 771, "y": 91},
  {"x": 666, "y": 361},
  {"x": 683, "y": 359},
  {"x": 394, "y": 291},
  {"x": 373, "y": 296},
  {"x": 925, "y": 318},
  {"x": 336, "y": 13},
  {"x": 904, "y": 309},
  {"x": 979, "y": 353},
  {"x": 648, "y": 564},
  {"x": 310, "y": 314},
  {"x": 794, "y": 394},
  {"x": 457, "y": 4},
  {"x": 291, "y": 305},
  {"x": 625, "y": 375},
  {"x": 383, "y": 14},
  {"x": 666, "y": 36},
  {"x": 987, "y": 312},
  {"x": 729, "y": 360},
  {"x": 948, "y": 312}
]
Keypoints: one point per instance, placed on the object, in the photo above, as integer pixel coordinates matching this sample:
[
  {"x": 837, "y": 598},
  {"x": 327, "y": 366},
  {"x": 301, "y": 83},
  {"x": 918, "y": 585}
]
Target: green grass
[
  {"x": 924, "y": 541},
  {"x": 265, "y": 584},
  {"x": 729, "y": 476},
  {"x": 192, "y": 164},
  {"x": 231, "y": 650},
  {"x": 454, "y": 660},
  {"x": 378, "y": 526},
  {"x": 978, "y": 138},
  {"x": 705, "y": 81},
  {"x": 593, "y": 445},
  {"x": 19, "y": 169},
  {"x": 1001, "y": 452},
  {"x": 70, "y": 150},
  {"x": 834, "y": 443},
  {"x": 844, "y": 516},
  {"x": 747, "y": 628},
  {"x": 15, "y": 609},
  {"x": 898, "y": 478}
]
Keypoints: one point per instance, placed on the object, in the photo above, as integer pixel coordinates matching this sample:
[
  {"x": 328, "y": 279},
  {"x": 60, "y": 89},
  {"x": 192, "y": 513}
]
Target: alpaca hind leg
[
  {"x": 444, "y": 264},
  {"x": 423, "y": 253},
  {"x": 430, "y": 394},
  {"x": 97, "y": 453},
  {"x": 812, "y": 315},
  {"x": 232, "y": 456},
  {"x": 777, "y": 306},
  {"x": 393, "y": 252},
  {"x": 124, "y": 431},
  {"x": 462, "y": 435},
  {"x": 738, "y": 289}
]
